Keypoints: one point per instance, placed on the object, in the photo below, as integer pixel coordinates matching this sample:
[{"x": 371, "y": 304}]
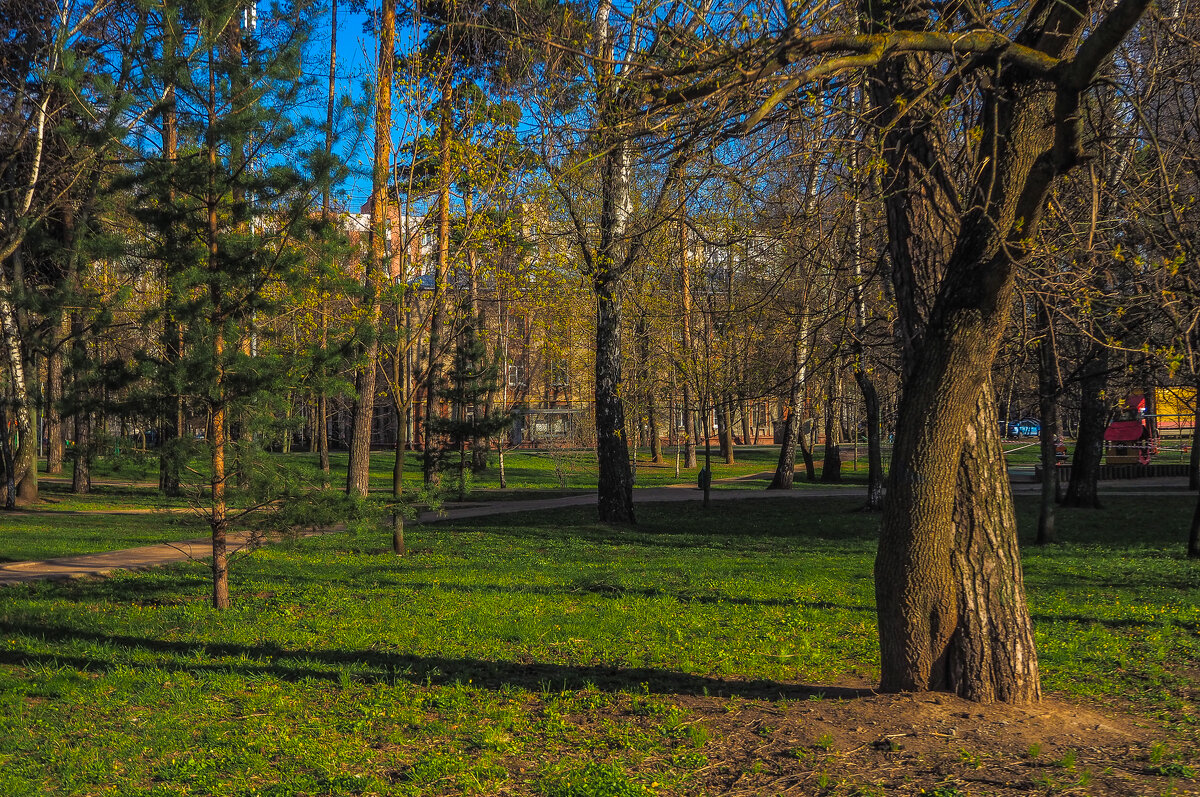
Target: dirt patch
[{"x": 931, "y": 745}]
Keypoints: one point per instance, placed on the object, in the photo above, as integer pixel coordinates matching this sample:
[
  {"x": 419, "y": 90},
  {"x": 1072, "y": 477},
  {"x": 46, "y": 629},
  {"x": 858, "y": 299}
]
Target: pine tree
[
  {"x": 473, "y": 377},
  {"x": 223, "y": 216}
]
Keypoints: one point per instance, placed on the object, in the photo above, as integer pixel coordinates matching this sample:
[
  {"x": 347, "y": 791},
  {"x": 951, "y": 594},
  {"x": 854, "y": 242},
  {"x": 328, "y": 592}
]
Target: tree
[
  {"x": 242, "y": 205},
  {"x": 948, "y": 578},
  {"x": 472, "y": 378},
  {"x": 375, "y": 269},
  {"x": 64, "y": 111},
  {"x": 948, "y": 581}
]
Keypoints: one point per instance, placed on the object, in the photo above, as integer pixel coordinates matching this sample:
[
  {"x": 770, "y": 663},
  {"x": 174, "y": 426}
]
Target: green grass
[
  {"x": 525, "y": 469},
  {"x": 48, "y": 533},
  {"x": 531, "y": 654}
]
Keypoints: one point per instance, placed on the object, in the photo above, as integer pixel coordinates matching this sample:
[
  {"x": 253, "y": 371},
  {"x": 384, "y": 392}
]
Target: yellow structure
[{"x": 1174, "y": 410}]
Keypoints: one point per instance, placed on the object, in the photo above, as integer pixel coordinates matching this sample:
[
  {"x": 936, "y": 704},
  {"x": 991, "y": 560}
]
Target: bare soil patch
[{"x": 932, "y": 745}]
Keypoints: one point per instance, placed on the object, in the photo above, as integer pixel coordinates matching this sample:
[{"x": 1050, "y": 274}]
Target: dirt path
[
  {"x": 99, "y": 564},
  {"x": 144, "y": 557},
  {"x": 141, "y": 558}
]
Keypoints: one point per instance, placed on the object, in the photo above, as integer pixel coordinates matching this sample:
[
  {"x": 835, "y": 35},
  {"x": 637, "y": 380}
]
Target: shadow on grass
[
  {"x": 327, "y": 665},
  {"x": 820, "y": 521},
  {"x": 1115, "y": 622},
  {"x": 609, "y": 590}
]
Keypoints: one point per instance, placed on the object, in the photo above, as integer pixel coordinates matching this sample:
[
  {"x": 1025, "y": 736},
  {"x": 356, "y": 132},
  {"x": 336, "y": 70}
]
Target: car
[{"x": 1026, "y": 427}]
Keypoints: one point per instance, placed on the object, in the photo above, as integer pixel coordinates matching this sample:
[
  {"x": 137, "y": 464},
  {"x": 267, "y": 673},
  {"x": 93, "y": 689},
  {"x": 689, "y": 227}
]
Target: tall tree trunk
[
  {"x": 433, "y": 368},
  {"x": 54, "y": 395},
  {"x": 744, "y": 414},
  {"x": 615, "y": 482},
  {"x": 685, "y": 296},
  {"x": 321, "y": 422},
  {"x": 949, "y": 592},
  {"x": 656, "y": 451},
  {"x": 358, "y": 471},
  {"x": 171, "y": 421},
  {"x": 321, "y": 426},
  {"x": 831, "y": 467},
  {"x": 785, "y": 466},
  {"x": 952, "y": 613},
  {"x": 218, "y": 520},
  {"x": 1089, "y": 443},
  {"x": 25, "y": 458},
  {"x": 862, "y": 371},
  {"x": 866, "y": 386},
  {"x": 6, "y": 458},
  {"x": 614, "y": 491},
  {"x": 401, "y": 400},
  {"x": 81, "y": 479},
  {"x": 171, "y": 414},
  {"x": 725, "y": 430},
  {"x": 807, "y": 440},
  {"x": 642, "y": 332},
  {"x": 991, "y": 655},
  {"x": 1047, "y": 406},
  {"x": 398, "y": 545}
]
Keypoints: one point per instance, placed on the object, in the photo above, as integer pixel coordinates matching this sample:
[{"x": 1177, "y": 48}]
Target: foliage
[{"x": 469, "y": 387}]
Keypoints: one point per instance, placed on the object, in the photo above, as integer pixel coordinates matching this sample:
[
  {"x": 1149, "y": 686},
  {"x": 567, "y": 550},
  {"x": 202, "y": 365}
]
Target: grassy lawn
[
  {"x": 573, "y": 469},
  {"x": 550, "y": 655},
  {"x": 107, "y": 519},
  {"x": 46, "y": 535}
]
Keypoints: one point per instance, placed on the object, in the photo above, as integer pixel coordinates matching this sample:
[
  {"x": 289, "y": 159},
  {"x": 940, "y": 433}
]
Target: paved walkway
[{"x": 99, "y": 564}]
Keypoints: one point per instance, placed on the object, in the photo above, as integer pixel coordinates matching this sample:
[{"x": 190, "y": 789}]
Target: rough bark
[
  {"x": 1089, "y": 442},
  {"x": 725, "y": 430},
  {"x": 611, "y": 260},
  {"x": 744, "y": 416},
  {"x": 81, "y": 478},
  {"x": 831, "y": 467},
  {"x": 24, "y": 465},
  {"x": 615, "y": 486},
  {"x": 870, "y": 395},
  {"x": 991, "y": 654},
  {"x": 53, "y": 413},
  {"x": 359, "y": 467},
  {"x": 948, "y": 587},
  {"x": 218, "y": 520},
  {"x": 785, "y": 466},
  {"x": 6, "y": 460}
]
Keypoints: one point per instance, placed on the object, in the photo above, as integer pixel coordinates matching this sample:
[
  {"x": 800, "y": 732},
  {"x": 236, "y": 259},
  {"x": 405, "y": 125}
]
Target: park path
[{"x": 148, "y": 556}]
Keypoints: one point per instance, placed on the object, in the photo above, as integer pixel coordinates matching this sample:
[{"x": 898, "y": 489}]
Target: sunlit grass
[{"x": 527, "y": 652}]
